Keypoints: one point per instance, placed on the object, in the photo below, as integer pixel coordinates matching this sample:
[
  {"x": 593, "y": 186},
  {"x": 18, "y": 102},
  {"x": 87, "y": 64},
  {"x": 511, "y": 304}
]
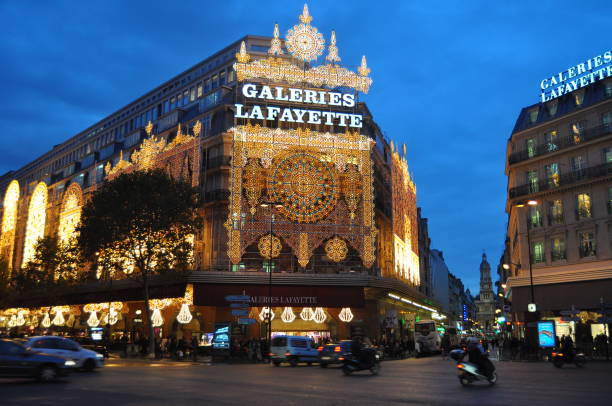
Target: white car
[{"x": 64, "y": 347}]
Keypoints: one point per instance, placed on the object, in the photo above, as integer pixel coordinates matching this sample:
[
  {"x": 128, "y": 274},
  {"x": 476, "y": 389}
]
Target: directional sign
[
  {"x": 237, "y": 298},
  {"x": 569, "y": 312},
  {"x": 241, "y": 305},
  {"x": 240, "y": 312},
  {"x": 565, "y": 318},
  {"x": 247, "y": 321}
]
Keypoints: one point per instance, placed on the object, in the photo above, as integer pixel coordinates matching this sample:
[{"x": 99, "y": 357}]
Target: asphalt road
[{"x": 425, "y": 381}]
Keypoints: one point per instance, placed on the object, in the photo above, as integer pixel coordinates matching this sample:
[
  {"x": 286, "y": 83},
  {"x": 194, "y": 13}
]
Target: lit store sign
[
  {"x": 576, "y": 77},
  {"x": 293, "y": 115}
]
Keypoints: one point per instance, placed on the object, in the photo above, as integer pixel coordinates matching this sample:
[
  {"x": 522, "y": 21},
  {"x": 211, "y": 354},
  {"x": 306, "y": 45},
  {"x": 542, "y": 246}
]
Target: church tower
[{"x": 485, "y": 304}]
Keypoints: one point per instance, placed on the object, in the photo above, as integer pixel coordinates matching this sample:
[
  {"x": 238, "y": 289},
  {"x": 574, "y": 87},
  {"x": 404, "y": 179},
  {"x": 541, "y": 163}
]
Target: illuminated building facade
[{"x": 297, "y": 181}]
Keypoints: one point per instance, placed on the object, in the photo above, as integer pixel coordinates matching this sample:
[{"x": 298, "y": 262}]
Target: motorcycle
[
  {"x": 559, "y": 358},
  {"x": 468, "y": 372},
  {"x": 369, "y": 359}
]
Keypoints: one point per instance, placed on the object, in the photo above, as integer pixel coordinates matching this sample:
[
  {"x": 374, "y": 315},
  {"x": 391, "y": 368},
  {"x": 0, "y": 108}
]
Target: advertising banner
[{"x": 546, "y": 333}]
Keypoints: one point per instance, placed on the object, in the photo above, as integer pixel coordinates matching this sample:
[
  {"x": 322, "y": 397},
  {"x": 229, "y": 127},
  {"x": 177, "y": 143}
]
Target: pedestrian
[
  {"x": 445, "y": 346},
  {"x": 194, "y": 347}
]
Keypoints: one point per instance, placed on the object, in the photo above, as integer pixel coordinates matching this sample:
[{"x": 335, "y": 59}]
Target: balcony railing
[
  {"x": 216, "y": 195},
  {"x": 564, "y": 179},
  {"x": 561, "y": 143}
]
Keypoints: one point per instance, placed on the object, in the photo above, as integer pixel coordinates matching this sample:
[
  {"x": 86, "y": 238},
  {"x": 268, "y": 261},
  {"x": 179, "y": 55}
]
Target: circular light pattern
[
  {"x": 269, "y": 246},
  {"x": 336, "y": 249},
  {"x": 305, "y": 186},
  {"x": 305, "y": 42}
]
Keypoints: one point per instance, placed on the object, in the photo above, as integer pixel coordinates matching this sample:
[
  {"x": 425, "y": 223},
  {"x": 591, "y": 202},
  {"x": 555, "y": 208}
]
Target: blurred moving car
[
  {"x": 330, "y": 354},
  {"x": 85, "y": 359},
  {"x": 94, "y": 345},
  {"x": 293, "y": 349},
  {"x": 18, "y": 361}
]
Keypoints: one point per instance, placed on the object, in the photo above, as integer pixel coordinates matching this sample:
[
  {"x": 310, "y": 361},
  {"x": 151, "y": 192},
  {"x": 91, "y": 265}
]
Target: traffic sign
[
  {"x": 241, "y": 305},
  {"x": 240, "y": 312},
  {"x": 246, "y": 321},
  {"x": 237, "y": 298}
]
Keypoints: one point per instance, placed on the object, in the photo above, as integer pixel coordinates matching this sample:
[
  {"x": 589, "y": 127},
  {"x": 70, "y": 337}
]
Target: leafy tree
[
  {"x": 5, "y": 281},
  {"x": 139, "y": 225}
]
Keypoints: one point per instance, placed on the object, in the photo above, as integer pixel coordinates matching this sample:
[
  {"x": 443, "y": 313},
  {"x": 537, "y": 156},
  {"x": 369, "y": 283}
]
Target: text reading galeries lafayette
[{"x": 294, "y": 115}]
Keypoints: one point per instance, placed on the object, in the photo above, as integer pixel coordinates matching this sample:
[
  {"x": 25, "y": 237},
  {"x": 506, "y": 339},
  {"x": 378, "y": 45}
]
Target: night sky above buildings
[{"x": 449, "y": 81}]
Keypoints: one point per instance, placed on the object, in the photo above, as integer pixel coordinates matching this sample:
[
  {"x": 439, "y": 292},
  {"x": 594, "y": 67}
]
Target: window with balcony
[
  {"x": 606, "y": 119},
  {"x": 606, "y": 155},
  {"x": 535, "y": 217},
  {"x": 552, "y": 174},
  {"x": 537, "y": 252},
  {"x": 532, "y": 181},
  {"x": 583, "y": 206},
  {"x": 579, "y": 97},
  {"x": 550, "y": 138},
  {"x": 555, "y": 212},
  {"x": 587, "y": 244},
  {"x": 578, "y": 167},
  {"x": 558, "y": 249},
  {"x": 531, "y": 147},
  {"x": 577, "y": 131}
]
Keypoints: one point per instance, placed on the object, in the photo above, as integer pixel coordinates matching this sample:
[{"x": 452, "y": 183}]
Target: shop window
[
  {"x": 555, "y": 212},
  {"x": 550, "y": 138},
  {"x": 558, "y": 249},
  {"x": 537, "y": 252},
  {"x": 552, "y": 174},
  {"x": 535, "y": 218},
  {"x": 587, "y": 244},
  {"x": 532, "y": 181},
  {"x": 531, "y": 147},
  {"x": 583, "y": 206}
]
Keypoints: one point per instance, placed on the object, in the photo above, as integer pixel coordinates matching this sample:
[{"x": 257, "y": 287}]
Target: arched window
[
  {"x": 70, "y": 213},
  {"x": 37, "y": 215},
  {"x": 9, "y": 222}
]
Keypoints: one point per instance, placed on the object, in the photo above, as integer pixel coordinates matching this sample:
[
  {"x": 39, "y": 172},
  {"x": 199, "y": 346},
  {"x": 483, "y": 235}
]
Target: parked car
[
  {"x": 85, "y": 359},
  {"x": 330, "y": 354},
  {"x": 16, "y": 360},
  {"x": 293, "y": 349}
]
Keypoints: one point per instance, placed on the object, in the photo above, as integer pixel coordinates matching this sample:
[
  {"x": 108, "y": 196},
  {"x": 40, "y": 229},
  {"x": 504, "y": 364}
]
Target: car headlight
[
  {"x": 70, "y": 363},
  {"x": 99, "y": 356}
]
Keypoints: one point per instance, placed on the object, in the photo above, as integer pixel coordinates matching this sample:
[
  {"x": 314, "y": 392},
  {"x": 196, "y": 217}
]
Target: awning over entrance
[
  {"x": 561, "y": 296},
  {"x": 295, "y": 296}
]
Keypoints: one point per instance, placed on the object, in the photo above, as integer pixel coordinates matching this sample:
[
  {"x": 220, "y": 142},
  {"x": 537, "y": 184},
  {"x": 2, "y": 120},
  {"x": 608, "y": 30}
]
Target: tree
[
  {"x": 139, "y": 225},
  {"x": 5, "y": 281}
]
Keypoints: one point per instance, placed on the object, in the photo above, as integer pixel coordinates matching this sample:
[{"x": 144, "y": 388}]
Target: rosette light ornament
[
  {"x": 319, "y": 315},
  {"x": 306, "y": 313},
  {"x": 288, "y": 316},
  {"x": 346, "y": 315}
]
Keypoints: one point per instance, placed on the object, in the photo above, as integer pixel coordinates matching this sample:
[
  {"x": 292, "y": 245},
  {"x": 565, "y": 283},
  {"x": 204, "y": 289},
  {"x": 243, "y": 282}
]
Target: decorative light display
[
  {"x": 70, "y": 214},
  {"x": 184, "y": 316},
  {"x": 304, "y": 41},
  {"x": 288, "y": 316},
  {"x": 306, "y": 313},
  {"x": 319, "y": 315},
  {"x": 156, "y": 318},
  {"x": 276, "y": 48},
  {"x": 333, "y": 56},
  {"x": 9, "y": 221},
  {"x": 93, "y": 320},
  {"x": 71, "y": 320},
  {"x": 20, "y": 317},
  {"x": 59, "y": 320},
  {"x": 336, "y": 249},
  {"x": 346, "y": 315},
  {"x": 265, "y": 311},
  {"x": 35, "y": 227},
  {"x": 269, "y": 246},
  {"x": 46, "y": 321},
  {"x": 12, "y": 321}
]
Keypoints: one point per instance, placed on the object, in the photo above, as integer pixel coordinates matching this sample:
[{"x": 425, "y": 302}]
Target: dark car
[
  {"x": 18, "y": 361},
  {"x": 330, "y": 354},
  {"x": 95, "y": 345}
]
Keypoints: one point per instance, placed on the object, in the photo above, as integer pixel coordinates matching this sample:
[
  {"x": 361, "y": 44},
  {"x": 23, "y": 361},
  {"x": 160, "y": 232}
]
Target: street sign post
[
  {"x": 240, "y": 312},
  {"x": 246, "y": 321},
  {"x": 240, "y": 305},
  {"x": 237, "y": 298}
]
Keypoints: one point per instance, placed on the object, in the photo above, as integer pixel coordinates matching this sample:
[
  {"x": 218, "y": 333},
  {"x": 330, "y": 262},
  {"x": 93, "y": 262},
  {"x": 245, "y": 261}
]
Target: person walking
[
  {"x": 194, "y": 348},
  {"x": 445, "y": 346}
]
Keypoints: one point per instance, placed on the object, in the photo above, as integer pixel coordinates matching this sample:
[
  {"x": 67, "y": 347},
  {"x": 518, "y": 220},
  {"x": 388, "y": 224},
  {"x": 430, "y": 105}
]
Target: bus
[{"x": 427, "y": 339}]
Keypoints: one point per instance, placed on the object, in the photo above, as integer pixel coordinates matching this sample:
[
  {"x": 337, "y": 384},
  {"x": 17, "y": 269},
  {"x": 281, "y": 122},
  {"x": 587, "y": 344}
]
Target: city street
[{"x": 428, "y": 381}]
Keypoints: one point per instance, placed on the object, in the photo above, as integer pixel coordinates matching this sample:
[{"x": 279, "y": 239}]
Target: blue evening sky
[{"x": 450, "y": 78}]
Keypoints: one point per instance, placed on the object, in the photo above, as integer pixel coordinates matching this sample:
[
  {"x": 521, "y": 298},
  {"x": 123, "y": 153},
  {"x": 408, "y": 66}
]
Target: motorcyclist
[
  {"x": 477, "y": 356},
  {"x": 356, "y": 347}
]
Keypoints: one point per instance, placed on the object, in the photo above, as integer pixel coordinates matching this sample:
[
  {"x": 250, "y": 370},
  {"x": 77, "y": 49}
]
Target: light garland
[
  {"x": 306, "y": 314},
  {"x": 265, "y": 311},
  {"x": 93, "y": 320},
  {"x": 35, "y": 227},
  {"x": 46, "y": 321},
  {"x": 34, "y": 320},
  {"x": 20, "y": 319},
  {"x": 319, "y": 315},
  {"x": 58, "y": 320},
  {"x": 12, "y": 321},
  {"x": 288, "y": 316},
  {"x": 346, "y": 315},
  {"x": 156, "y": 319},
  {"x": 184, "y": 316}
]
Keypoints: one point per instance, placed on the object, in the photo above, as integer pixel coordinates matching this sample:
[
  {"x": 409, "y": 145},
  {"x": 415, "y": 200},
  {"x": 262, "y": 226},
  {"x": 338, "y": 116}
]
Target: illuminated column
[
  {"x": 9, "y": 222},
  {"x": 35, "y": 228}
]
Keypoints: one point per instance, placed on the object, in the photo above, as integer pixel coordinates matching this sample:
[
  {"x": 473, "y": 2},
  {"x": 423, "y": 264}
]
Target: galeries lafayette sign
[
  {"x": 576, "y": 77},
  {"x": 296, "y": 115}
]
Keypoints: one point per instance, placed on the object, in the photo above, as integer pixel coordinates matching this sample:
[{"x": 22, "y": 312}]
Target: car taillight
[
  {"x": 554, "y": 354},
  {"x": 560, "y": 354},
  {"x": 460, "y": 366},
  {"x": 320, "y": 349},
  {"x": 287, "y": 354},
  {"x": 341, "y": 358},
  {"x": 272, "y": 354},
  {"x": 337, "y": 349}
]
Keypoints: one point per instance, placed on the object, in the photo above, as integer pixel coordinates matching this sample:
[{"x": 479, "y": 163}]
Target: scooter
[
  {"x": 468, "y": 372},
  {"x": 563, "y": 357},
  {"x": 369, "y": 360}
]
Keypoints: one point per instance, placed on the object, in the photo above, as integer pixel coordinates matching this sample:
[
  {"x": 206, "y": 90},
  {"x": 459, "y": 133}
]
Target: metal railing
[
  {"x": 561, "y": 143},
  {"x": 564, "y": 179}
]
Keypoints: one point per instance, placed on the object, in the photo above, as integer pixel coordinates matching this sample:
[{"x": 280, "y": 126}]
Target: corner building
[
  {"x": 559, "y": 237},
  {"x": 307, "y": 208}
]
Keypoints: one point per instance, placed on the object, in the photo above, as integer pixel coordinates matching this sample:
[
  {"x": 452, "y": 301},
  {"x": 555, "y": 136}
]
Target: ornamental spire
[
  {"x": 305, "y": 17},
  {"x": 275, "y": 44},
  {"x": 333, "y": 56},
  {"x": 363, "y": 69},
  {"x": 242, "y": 56}
]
